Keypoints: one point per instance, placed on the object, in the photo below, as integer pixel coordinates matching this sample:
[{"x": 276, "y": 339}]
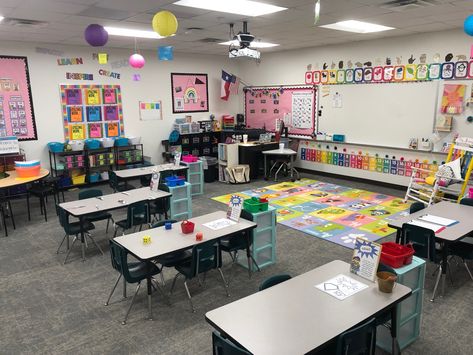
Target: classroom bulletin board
[
  {"x": 295, "y": 105},
  {"x": 190, "y": 92},
  {"x": 16, "y": 104},
  {"x": 92, "y": 111}
]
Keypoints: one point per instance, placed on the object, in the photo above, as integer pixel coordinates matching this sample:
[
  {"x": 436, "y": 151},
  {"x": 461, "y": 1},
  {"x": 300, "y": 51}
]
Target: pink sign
[{"x": 189, "y": 93}]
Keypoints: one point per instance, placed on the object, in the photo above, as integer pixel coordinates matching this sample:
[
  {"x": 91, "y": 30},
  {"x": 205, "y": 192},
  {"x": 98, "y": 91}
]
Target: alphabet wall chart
[
  {"x": 92, "y": 111},
  {"x": 16, "y": 105}
]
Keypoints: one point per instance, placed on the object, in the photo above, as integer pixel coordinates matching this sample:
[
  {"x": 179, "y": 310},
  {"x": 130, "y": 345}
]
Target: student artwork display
[
  {"x": 16, "y": 104},
  {"x": 189, "y": 92},
  {"x": 452, "y": 99},
  {"x": 91, "y": 111}
]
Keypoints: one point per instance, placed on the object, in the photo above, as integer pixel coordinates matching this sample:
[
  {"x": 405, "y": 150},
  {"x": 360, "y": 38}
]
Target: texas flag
[{"x": 228, "y": 80}]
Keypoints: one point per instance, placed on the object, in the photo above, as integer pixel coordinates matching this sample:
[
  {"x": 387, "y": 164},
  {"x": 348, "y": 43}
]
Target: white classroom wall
[{"x": 46, "y": 76}]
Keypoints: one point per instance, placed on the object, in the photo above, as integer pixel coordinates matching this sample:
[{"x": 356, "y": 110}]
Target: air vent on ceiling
[
  {"x": 402, "y": 5},
  {"x": 211, "y": 40},
  {"x": 21, "y": 22},
  {"x": 194, "y": 29}
]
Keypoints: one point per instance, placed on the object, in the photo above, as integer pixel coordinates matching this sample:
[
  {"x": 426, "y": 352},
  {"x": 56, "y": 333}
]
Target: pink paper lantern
[{"x": 136, "y": 61}]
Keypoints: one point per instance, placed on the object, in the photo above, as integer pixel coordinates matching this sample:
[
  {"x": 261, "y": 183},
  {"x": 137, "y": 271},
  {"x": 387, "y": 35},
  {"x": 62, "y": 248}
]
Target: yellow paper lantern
[{"x": 165, "y": 23}]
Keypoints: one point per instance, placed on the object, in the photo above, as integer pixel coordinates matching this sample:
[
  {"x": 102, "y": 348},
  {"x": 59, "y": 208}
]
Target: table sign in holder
[
  {"x": 365, "y": 259},
  {"x": 234, "y": 208}
]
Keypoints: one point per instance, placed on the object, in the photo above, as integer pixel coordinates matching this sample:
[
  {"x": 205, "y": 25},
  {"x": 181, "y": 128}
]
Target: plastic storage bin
[
  {"x": 27, "y": 171},
  {"x": 189, "y": 158},
  {"x": 396, "y": 255},
  {"x": 92, "y": 143},
  {"x": 254, "y": 205},
  {"x": 94, "y": 177},
  {"x": 79, "y": 179},
  {"x": 121, "y": 142},
  {"x": 172, "y": 181},
  {"x": 56, "y": 147},
  {"x": 187, "y": 227}
]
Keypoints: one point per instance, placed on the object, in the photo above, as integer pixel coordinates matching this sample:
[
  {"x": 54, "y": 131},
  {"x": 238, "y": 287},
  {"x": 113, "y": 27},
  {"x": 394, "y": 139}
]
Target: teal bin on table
[{"x": 409, "y": 311}]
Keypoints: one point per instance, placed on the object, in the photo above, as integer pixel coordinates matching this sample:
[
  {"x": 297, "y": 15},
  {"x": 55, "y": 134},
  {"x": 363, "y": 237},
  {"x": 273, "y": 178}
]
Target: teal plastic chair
[
  {"x": 358, "y": 340},
  {"x": 97, "y": 216},
  {"x": 116, "y": 184},
  {"x": 132, "y": 273},
  {"x": 222, "y": 346},
  {"x": 137, "y": 215},
  {"x": 206, "y": 256},
  {"x": 273, "y": 281}
]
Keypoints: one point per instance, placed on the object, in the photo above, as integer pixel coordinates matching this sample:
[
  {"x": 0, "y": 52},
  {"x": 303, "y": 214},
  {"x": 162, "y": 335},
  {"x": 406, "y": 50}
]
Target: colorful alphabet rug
[{"x": 331, "y": 212}]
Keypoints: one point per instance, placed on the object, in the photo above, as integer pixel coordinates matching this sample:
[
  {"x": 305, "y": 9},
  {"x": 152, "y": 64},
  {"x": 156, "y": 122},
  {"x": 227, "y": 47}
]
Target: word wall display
[{"x": 92, "y": 111}]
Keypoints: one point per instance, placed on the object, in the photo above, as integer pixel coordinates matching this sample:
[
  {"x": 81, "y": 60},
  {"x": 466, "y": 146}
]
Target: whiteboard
[{"x": 379, "y": 114}]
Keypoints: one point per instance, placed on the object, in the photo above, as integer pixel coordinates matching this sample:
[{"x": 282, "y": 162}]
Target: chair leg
[
  {"x": 62, "y": 241},
  {"x": 28, "y": 205},
  {"x": 11, "y": 214},
  {"x": 93, "y": 241},
  {"x": 174, "y": 283},
  {"x": 113, "y": 289},
  {"x": 2, "y": 212},
  {"x": 189, "y": 296},
  {"x": 256, "y": 264},
  {"x": 161, "y": 291},
  {"x": 45, "y": 210},
  {"x": 467, "y": 269},
  {"x": 439, "y": 275},
  {"x": 124, "y": 288},
  {"x": 70, "y": 249},
  {"x": 224, "y": 281},
  {"x": 131, "y": 304}
]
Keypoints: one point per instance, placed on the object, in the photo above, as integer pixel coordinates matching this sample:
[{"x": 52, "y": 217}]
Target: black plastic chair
[
  {"x": 74, "y": 229},
  {"x": 273, "y": 281},
  {"x": 206, "y": 256},
  {"x": 360, "y": 340},
  {"x": 132, "y": 273},
  {"x": 416, "y": 206},
  {"x": 137, "y": 215},
  {"x": 160, "y": 207},
  {"x": 97, "y": 216},
  {"x": 222, "y": 346},
  {"x": 425, "y": 247},
  {"x": 466, "y": 201},
  {"x": 42, "y": 189},
  {"x": 116, "y": 184},
  {"x": 171, "y": 259}
]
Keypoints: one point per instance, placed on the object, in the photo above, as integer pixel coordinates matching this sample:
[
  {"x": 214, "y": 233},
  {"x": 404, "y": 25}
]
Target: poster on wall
[
  {"x": 16, "y": 103},
  {"x": 189, "y": 92},
  {"x": 150, "y": 110},
  {"x": 91, "y": 111}
]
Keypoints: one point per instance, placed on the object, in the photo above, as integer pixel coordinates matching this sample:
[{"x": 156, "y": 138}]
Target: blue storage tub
[
  {"x": 174, "y": 180},
  {"x": 56, "y": 147},
  {"x": 121, "y": 142},
  {"x": 94, "y": 177},
  {"x": 92, "y": 143}
]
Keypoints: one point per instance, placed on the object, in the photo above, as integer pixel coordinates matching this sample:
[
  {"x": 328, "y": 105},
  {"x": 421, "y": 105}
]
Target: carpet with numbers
[{"x": 331, "y": 212}]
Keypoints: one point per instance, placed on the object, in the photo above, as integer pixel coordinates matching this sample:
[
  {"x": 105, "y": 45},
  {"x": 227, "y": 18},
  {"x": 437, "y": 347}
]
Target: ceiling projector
[{"x": 244, "y": 39}]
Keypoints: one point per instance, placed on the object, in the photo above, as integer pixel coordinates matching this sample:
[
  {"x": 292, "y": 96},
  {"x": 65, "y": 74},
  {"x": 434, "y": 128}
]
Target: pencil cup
[{"x": 386, "y": 281}]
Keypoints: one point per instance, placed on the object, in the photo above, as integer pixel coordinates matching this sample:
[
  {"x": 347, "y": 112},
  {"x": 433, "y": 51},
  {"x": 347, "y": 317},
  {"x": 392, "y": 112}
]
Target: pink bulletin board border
[
  {"x": 23, "y": 77},
  {"x": 178, "y": 80},
  {"x": 64, "y": 105},
  {"x": 265, "y": 92}
]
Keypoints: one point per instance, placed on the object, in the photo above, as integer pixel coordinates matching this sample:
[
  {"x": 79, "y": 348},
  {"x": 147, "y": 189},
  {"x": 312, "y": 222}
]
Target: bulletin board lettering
[
  {"x": 92, "y": 111},
  {"x": 16, "y": 103}
]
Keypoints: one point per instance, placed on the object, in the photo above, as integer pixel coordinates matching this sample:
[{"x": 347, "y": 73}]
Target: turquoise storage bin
[
  {"x": 92, "y": 143},
  {"x": 94, "y": 177},
  {"x": 56, "y": 147},
  {"x": 121, "y": 142}
]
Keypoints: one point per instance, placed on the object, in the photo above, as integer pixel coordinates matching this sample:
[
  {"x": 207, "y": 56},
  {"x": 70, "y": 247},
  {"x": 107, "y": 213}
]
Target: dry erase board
[
  {"x": 379, "y": 114},
  {"x": 296, "y": 105}
]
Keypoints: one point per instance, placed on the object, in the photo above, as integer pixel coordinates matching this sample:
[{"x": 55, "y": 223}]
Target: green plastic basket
[{"x": 253, "y": 205}]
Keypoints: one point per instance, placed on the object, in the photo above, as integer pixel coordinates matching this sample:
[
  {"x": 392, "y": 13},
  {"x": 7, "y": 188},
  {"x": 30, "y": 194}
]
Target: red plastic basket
[
  {"x": 396, "y": 255},
  {"x": 187, "y": 227}
]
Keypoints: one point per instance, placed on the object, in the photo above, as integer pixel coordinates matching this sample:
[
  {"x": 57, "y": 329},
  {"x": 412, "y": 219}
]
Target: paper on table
[
  {"x": 219, "y": 224},
  {"x": 432, "y": 226},
  {"x": 341, "y": 286},
  {"x": 437, "y": 220}
]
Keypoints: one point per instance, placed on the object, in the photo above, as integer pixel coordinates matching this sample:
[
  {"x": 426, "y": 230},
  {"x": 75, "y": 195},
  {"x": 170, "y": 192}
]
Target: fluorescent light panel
[
  {"x": 357, "y": 27},
  {"x": 239, "y": 7},
  {"x": 254, "y": 44},
  {"x": 128, "y": 32},
  {"x": 1, "y": 18}
]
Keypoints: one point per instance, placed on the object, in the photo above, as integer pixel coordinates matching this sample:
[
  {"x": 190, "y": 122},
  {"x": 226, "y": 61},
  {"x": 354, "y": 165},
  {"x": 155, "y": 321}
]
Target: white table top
[
  {"x": 166, "y": 241},
  {"x": 294, "y": 317},
  {"x": 147, "y": 170},
  {"x": 284, "y": 151},
  {"x": 462, "y": 213},
  {"x": 112, "y": 201}
]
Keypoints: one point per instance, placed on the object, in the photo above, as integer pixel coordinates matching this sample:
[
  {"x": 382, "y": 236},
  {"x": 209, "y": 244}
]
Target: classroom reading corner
[{"x": 264, "y": 177}]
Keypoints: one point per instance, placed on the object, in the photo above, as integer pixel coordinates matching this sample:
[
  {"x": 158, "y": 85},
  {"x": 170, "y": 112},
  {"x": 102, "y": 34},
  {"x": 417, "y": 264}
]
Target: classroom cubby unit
[
  {"x": 263, "y": 248},
  {"x": 409, "y": 311},
  {"x": 181, "y": 202},
  {"x": 195, "y": 176}
]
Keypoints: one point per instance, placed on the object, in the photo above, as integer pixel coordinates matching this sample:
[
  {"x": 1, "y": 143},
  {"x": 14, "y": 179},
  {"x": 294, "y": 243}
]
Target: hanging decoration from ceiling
[
  {"x": 166, "y": 52},
  {"x": 468, "y": 25},
  {"x": 96, "y": 35},
  {"x": 165, "y": 23},
  {"x": 137, "y": 61}
]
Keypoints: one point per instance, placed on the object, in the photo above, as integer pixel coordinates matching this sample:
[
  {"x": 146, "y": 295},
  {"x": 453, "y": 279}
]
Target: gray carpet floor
[{"x": 48, "y": 307}]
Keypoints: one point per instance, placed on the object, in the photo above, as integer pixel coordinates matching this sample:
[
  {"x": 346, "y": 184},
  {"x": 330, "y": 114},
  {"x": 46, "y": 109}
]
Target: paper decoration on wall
[
  {"x": 302, "y": 105},
  {"x": 166, "y": 52},
  {"x": 53, "y": 52},
  {"x": 69, "y": 61},
  {"x": 117, "y": 64},
  {"x": 110, "y": 74},
  {"x": 189, "y": 92},
  {"x": 103, "y": 58},
  {"x": 16, "y": 104},
  {"x": 443, "y": 123},
  {"x": 91, "y": 111},
  {"x": 447, "y": 70},
  {"x": 150, "y": 110},
  {"x": 452, "y": 98},
  {"x": 136, "y": 77},
  {"x": 79, "y": 76}
]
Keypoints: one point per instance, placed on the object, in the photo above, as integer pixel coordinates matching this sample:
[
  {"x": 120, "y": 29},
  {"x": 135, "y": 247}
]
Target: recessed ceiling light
[
  {"x": 357, "y": 26},
  {"x": 1, "y": 18},
  {"x": 128, "y": 32},
  {"x": 239, "y": 7},
  {"x": 254, "y": 44}
]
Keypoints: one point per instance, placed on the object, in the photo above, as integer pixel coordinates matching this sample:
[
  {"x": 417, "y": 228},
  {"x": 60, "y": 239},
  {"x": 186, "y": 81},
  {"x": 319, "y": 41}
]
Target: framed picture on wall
[{"x": 190, "y": 92}]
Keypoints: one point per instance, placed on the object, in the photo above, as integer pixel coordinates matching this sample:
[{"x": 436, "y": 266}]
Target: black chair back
[
  {"x": 359, "y": 340},
  {"x": 222, "y": 346},
  {"x": 205, "y": 256},
  {"x": 113, "y": 180},
  {"x": 116, "y": 252},
  {"x": 163, "y": 204},
  {"x": 90, "y": 193},
  {"x": 137, "y": 213},
  {"x": 416, "y": 206},
  {"x": 466, "y": 201},
  {"x": 273, "y": 281},
  {"x": 422, "y": 240}
]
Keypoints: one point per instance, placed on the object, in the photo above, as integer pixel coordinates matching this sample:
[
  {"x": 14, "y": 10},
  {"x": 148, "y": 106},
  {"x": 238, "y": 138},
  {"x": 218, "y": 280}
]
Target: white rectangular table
[
  {"x": 82, "y": 208},
  {"x": 295, "y": 317},
  {"x": 146, "y": 170},
  {"x": 462, "y": 213},
  {"x": 280, "y": 152}
]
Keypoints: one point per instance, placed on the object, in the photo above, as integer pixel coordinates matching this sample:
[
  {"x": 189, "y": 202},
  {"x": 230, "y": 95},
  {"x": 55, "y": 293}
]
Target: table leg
[
  {"x": 292, "y": 170},
  {"x": 82, "y": 237},
  {"x": 265, "y": 173},
  {"x": 150, "y": 311},
  {"x": 444, "y": 266},
  {"x": 398, "y": 236},
  {"x": 395, "y": 344}
]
